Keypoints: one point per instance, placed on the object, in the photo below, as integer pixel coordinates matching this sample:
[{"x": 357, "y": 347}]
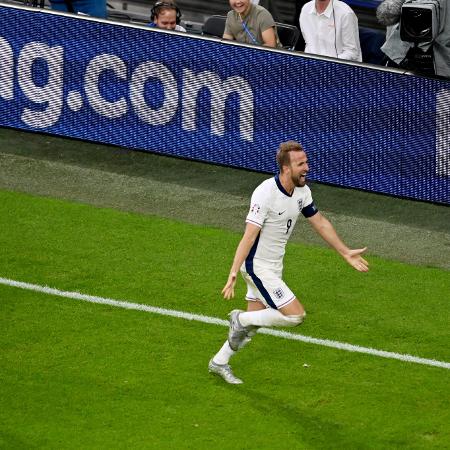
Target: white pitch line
[{"x": 216, "y": 321}]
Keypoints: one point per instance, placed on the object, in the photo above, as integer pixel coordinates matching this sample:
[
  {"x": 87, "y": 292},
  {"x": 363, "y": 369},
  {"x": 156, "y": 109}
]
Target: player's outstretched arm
[
  {"x": 242, "y": 251},
  {"x": 324, "y": 228},
  {"x": 354, "y": 258}
]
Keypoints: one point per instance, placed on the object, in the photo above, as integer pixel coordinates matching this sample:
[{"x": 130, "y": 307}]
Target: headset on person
[{"x": 165, "y": 4}]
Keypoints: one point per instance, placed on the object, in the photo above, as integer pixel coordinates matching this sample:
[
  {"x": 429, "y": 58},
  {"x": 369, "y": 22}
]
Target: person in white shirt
[
  {"x": 275, "y": 206},
  {"x": 330, "y": 28}
]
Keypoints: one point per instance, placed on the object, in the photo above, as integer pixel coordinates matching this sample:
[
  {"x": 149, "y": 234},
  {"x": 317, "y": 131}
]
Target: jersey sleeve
[
  {"x": 310, "y": 208},
  {"x": 228, "y": 29},
  {"x": 258, "y": 207},
  {"x": 266, "y": 20}
]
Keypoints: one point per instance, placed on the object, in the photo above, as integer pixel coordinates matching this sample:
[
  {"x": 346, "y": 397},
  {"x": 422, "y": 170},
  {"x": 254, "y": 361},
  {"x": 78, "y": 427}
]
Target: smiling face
[
  {"x": 293, "y": 164},
  {"x": 298, "y": 168},
  {"x": 240, "y": 6}
]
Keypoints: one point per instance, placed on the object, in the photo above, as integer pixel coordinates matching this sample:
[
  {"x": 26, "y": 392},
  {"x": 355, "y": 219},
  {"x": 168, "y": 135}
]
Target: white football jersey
[{"x": 276, "y": 212}]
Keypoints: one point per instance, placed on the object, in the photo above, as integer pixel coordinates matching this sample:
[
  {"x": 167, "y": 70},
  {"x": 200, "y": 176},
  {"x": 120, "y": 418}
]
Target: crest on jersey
[
  {"x": 255, "y": 208},
  {"x": 300, "y": 204},
  {"x": 279, "y": 293}
]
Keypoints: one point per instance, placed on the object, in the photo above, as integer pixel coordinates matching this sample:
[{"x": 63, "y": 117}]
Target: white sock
[
  {"x": 224, "y": 354},
  {"x": 268, "y": 318}
]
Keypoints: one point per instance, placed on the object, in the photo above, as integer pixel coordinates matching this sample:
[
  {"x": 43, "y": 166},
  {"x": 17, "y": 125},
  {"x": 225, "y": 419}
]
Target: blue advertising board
[
  {"x": 224, "y": 103},
  {"x": 370, "y": 4}
]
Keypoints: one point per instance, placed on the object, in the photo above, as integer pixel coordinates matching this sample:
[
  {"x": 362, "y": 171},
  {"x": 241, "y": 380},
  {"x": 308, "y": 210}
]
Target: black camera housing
[{"x": 419, "y": 21}]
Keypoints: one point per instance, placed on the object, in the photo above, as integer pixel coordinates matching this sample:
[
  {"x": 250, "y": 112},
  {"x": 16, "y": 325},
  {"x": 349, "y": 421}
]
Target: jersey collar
[{"x": 280, "y": 186}]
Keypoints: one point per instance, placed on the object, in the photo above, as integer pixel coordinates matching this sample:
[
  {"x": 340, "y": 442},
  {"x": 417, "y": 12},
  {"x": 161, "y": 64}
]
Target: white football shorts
[{"x": 268, "y": 288}]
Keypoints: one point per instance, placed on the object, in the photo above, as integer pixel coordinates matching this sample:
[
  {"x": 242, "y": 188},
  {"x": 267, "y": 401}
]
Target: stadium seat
[
  {"x": 214, "y": 26},
  {"x": 288, "y": 34}
]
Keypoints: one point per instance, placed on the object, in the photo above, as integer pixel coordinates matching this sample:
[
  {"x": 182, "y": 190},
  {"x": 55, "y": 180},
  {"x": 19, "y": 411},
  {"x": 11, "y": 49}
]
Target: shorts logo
[
  {"x": 255, "y": 208},
  {"x": 279, "y": 293},
  {"x": 300, "y": 205}
]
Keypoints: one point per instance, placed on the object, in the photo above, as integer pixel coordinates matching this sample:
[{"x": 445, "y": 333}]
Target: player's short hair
[{"x": 284, "y": 150}]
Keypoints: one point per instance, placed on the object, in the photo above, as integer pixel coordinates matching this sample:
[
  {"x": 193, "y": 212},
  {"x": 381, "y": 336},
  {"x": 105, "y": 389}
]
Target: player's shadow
[{"x": 307, "y": 427}]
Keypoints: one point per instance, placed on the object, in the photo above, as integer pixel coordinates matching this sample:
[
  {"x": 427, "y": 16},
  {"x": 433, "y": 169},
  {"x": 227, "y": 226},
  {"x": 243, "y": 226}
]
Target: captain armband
[{"x": 310, "y": 210}]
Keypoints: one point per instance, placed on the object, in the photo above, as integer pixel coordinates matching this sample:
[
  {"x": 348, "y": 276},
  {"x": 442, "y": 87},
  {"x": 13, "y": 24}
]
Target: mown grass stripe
[{"x": 213, "y": 320}]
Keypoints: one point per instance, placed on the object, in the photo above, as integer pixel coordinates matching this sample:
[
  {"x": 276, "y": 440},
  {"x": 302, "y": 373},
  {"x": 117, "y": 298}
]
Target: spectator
[
  {"x": 166, "y": 15},
  {"x": 330, "y": 28},
  {"x": 271, "y": 6},
  {"x": 250, "y": 24},
  {"x": 94, "y": 8}
]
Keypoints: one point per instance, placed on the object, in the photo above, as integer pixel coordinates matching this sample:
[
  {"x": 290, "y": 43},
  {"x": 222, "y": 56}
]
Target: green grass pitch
[{"x": 80, "y": 375}]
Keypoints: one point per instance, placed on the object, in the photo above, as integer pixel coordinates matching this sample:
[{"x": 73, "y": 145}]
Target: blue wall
[
  {"x": 371, "y": 4},
  {"x": 224, "y": 103}
]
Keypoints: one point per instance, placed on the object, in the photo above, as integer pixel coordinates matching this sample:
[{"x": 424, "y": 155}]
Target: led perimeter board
[{"x": 224, "y": 103}]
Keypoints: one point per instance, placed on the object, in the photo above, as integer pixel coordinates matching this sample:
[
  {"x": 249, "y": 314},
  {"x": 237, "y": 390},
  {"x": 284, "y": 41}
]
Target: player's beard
[{"x": 299, "y": 181}]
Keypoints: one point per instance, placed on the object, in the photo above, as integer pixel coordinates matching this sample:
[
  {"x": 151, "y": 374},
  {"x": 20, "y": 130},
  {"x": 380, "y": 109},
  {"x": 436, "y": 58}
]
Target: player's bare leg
[
  {"x": 255, "y": 305},
  {"x": 295, "y": 308}
]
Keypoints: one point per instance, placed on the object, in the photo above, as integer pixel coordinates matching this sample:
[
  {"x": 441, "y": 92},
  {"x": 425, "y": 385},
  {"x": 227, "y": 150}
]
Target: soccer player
[{"x": 275, "y": 206}]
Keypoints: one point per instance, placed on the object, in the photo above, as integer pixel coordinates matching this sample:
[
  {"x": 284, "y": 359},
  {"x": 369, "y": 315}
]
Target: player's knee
[{"x": 296, "y": 319}]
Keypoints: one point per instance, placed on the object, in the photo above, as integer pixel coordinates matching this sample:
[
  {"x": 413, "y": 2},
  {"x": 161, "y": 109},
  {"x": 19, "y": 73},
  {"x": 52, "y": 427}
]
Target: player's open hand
[
  {"x": 354, "y": 258},
  {"x": 228, "y": 290}
]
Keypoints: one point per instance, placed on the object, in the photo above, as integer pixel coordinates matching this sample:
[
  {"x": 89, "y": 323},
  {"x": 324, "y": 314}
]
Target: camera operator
[{"x": 429, "y": 58}]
